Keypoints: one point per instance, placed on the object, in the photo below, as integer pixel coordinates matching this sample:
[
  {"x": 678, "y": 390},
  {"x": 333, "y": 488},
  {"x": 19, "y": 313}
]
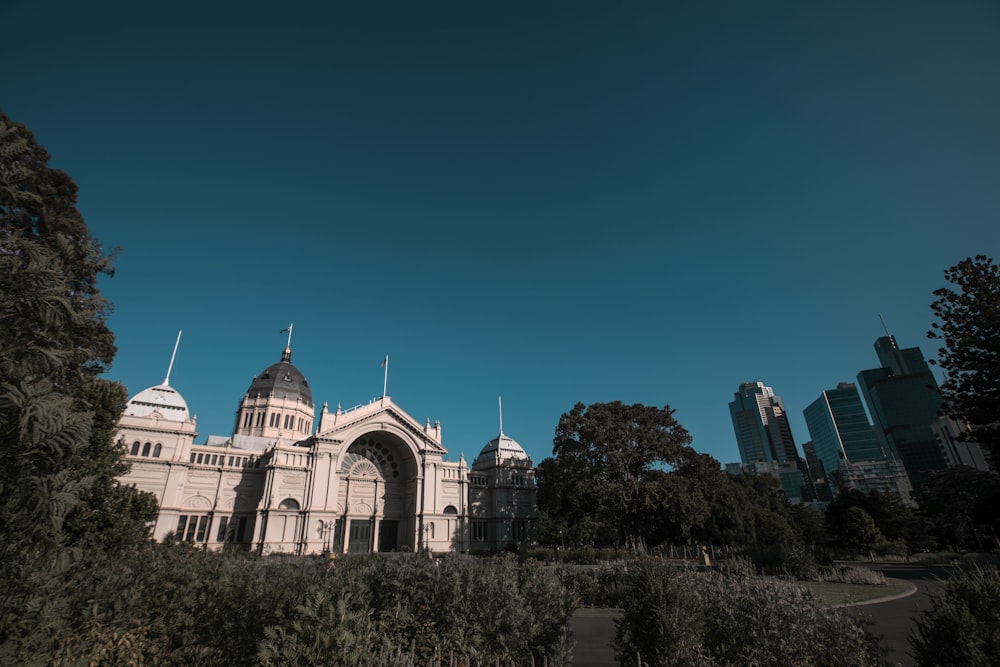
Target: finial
[
  {"x": 286, "y": 354},
  {"x": 500, "y": 406},
  {"x": 166, "y": 380}
]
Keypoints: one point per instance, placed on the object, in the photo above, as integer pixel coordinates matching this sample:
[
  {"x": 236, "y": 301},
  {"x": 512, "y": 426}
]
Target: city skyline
[{"x": 560, "y": 204}]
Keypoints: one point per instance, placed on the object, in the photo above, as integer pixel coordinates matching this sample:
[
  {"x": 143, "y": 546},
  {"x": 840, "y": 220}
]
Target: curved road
[{"x": 893, "y": 620}]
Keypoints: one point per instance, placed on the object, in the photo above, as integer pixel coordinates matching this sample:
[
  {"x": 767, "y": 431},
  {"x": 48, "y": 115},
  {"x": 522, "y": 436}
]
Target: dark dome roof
[{"x": 282, "y": 380}]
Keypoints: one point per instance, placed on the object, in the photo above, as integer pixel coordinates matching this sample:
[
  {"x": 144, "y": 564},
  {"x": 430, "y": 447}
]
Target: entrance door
[
  {"x": 387, "y": 535},
  {"x": 360, "y": 539}
]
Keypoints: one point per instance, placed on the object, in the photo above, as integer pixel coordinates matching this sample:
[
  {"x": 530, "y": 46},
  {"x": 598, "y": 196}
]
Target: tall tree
[
  {"x": 58, "y": 460},
  {"x": 608, "y": 458},
  {"x": 969, "y": 328}
]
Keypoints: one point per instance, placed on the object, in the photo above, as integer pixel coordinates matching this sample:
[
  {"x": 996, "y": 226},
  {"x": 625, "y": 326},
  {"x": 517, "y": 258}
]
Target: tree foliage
[
  {"x": 969, "y": 329},
  {"x": 960, "y": 504},
  {"x": 607, "y": 463},
  {"x": 58, "y": 460}
]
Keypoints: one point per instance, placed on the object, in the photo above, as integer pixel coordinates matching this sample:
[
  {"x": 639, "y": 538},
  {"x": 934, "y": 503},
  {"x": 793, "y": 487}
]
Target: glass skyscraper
[
  {"x": 840, "y": 430},
  {"x": 903, "y": 399},
  {"x": 761, "y": 425}
]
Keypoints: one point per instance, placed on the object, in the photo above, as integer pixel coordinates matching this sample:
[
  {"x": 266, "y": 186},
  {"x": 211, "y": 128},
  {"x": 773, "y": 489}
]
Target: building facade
[
  {"x": 765, "y": 441},
  {"x": 761, "y": 425},
  {"x": 846, "y": 445},
  {"x": 903, "y": 399},
  {"x": 287, "y": 480}
]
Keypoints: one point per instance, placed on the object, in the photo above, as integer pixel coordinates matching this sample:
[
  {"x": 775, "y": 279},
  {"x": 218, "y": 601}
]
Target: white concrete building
[{"x": 366, "y": 479}]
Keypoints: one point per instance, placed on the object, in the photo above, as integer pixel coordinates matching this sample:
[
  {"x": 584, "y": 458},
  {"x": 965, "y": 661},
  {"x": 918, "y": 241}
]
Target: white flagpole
[
  {"x": 289, "y": 345},
  {"x": 385, "y": 378},
  {"x": 166, "y": 380}
]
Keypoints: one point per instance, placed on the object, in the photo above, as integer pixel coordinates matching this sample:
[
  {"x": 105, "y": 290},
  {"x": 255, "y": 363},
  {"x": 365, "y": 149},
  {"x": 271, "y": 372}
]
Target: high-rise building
[
  {"x": 903, "y": 399},
  {"x": 761, "y": 425},
  {"x": 765, "y": 440},
  {"x": 839, "y": 428},
  {"x": 846, "y": 445}
]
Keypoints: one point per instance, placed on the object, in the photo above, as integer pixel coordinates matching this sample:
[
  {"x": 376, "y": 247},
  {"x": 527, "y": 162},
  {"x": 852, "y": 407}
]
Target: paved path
[{"x": 893, "y": 620}]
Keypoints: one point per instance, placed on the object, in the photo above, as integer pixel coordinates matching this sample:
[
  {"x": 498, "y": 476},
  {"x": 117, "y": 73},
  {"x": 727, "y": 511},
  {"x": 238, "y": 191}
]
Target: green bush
[
  {"x": 733, "y": 618},
  {"x": 963, "y": 625},
  {"x": 174, "y": 605}
]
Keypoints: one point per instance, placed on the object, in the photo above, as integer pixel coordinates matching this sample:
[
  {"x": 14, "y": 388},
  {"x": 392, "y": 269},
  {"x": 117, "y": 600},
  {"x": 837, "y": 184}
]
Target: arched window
[
  {"x": 450, "y": 510},
  {"x": 135, "y": 448},
  {"x": 145, "y": 449},
  {"x": 156, "y": 450},
  {"x": 289, "y": 504}
]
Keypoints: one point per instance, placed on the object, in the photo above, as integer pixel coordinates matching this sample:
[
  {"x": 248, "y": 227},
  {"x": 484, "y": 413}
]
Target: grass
[{"x": 833, "y": 593}]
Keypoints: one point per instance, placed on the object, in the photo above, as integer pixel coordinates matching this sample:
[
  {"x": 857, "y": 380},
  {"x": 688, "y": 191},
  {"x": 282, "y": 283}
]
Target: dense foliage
[
  {"x": 174, "y": 605},
  {"x": 962, "y": 628},
  {"x": 969, "y": 329},
  {"x": 733, "y": 618},
  {"x": 59, "y": 498}
]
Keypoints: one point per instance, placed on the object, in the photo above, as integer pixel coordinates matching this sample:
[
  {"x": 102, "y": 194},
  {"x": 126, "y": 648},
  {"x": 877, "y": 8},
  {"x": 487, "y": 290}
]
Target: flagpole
[
  {"x": 385, "y": 378},
  {"x": 289, "y": 345}
]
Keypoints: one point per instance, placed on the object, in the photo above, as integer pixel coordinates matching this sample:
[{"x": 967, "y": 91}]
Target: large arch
[{"x": 378, "y": 493}]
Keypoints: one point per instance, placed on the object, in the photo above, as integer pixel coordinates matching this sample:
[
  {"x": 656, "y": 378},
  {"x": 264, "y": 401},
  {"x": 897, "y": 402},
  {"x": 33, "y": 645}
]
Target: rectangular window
[
  {"x": 202, "y": 525},
  {"x": 215, "y": 458},
  {"x": 241, "y": 525},
  {"x": 479, "y": 531},
  {"x": 192, "y": 525},
  {"x": 192, "y": 457},
  {"x": 223, "y": 524},
  {"x": 181, "y": 525},
  {"x": 200, "y": 457}
]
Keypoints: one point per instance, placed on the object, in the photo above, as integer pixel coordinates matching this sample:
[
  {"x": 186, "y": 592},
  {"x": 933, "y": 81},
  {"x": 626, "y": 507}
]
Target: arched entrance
[{"x": 377, "y": 495}]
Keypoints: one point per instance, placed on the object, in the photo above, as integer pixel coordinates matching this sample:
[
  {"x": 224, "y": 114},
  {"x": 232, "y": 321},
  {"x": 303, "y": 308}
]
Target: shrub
[
  {"x": 732, "y": 618},
  {"x": 963, "y": 625}
]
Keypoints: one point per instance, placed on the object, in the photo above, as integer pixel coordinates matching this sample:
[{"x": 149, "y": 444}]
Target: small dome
[
  {"x": 501, "y": 448},
  {"x": 282, "y": 380},
  {"x": 161, "y": 398}
]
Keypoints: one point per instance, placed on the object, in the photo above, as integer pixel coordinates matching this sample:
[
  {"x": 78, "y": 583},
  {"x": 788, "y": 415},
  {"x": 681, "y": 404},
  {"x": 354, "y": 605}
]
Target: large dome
[
  {"x": 282, "y": 380},
  {"x": 501, "y": 448},
  {"x": 163, "y": 399}
]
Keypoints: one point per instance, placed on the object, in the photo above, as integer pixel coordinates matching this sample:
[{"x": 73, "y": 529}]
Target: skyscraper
[
  {"x": 839, "y": 428},
  {"x": 847, "y": 446},
  {"x": 761, "y": 425},
  {"x": 903, "y": 399}
]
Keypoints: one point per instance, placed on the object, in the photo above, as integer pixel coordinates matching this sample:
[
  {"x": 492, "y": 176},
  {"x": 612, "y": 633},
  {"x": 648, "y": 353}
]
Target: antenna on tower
[
  {"x": 500, "y": 406},
  {"x": 166, "y": 380},
  {"x": 884, "y": 327}
]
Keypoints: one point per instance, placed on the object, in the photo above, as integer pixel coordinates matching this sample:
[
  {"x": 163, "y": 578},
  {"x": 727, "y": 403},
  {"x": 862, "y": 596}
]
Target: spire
[
  {"x": 500, "y": 406},
  {"x": 166, "y": 380},
  {"x": 286, "y": 354}
]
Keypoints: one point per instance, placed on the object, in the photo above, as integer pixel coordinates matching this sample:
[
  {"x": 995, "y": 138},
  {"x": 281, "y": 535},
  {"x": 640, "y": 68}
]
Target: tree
[
  {"x": 608, "y": 457},
  {"x": 961, "y": 505},
  {"x": 58, "y": 461},
  {"x": 969, "y": 327}
]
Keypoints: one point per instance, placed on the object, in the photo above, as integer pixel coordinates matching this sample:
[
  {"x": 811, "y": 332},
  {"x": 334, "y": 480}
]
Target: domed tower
[
  {"x": 278, "y": 405},
  {"x": 501, "y": 495},
  {"x": 156, "y": 423}
]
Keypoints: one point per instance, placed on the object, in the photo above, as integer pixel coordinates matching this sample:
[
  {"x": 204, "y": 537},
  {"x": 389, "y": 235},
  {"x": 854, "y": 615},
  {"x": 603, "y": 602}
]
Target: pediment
[{"x": 378, "y": 416}]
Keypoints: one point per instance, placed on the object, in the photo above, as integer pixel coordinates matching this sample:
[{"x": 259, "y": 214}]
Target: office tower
[
  {"x": 817, "y": 473},
  {"x": 847, "y": 446},
  {"x": 839, "y": 428},
  {"x": 761, "y": 425},
  {"x": 903, "y": 399},
  {"x": 765, "y": 440}
]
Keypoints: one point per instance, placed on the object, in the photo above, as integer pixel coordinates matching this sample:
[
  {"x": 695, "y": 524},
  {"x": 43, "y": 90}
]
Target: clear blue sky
[{"x": 552, "y": 202}]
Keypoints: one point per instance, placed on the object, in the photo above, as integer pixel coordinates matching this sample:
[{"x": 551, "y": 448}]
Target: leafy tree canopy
[
  {"x": 969, "y": 329},
  {"x": 58, "y": 460},
  {"x": 608, "y": 457}
]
